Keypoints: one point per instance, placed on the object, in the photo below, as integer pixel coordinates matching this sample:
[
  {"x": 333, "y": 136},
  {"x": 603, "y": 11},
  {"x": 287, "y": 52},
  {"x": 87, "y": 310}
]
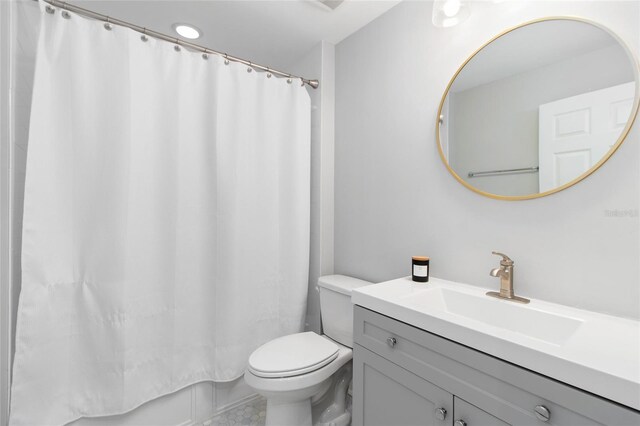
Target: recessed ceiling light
[{"x": 187, "y": 31}]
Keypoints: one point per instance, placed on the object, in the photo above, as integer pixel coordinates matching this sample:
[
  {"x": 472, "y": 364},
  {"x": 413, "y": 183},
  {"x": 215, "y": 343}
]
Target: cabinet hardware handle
[
  {"x": 460, "y": 422},
  {"x": 542, "y": 413},
  {"x": 441, "y": 413},
  {"x": 391, "y": 341}
]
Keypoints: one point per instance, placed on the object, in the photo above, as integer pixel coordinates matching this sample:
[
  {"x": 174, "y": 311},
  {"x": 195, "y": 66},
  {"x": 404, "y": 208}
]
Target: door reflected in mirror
[{"x": 538, "y": 108}]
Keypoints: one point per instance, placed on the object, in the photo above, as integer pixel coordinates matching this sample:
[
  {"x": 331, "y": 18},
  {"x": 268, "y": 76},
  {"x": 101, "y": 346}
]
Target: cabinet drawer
[
  {"x": 473, "y": 416},
  {"x": 505, "y": 390}
]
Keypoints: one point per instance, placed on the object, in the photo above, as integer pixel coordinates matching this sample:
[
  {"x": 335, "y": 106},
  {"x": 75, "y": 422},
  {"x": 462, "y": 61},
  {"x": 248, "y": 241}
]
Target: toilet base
[
  {"x": 337, "y": 414},
  {"x": 280, "y": 413},
  {"x": 293, "y": 408}
]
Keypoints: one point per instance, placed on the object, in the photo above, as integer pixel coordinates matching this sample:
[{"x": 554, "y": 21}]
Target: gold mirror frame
[{"x": 621, "y": 138}]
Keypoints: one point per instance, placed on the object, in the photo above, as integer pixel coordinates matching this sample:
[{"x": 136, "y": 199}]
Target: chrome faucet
[{"x": 505, "y": 272}]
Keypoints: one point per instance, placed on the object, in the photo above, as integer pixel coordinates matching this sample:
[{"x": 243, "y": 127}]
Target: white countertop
[{"x": 591, "y": 351}]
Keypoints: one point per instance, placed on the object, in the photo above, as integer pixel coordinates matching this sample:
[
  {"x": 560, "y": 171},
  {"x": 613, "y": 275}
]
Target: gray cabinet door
[
  {"x": 472, "y": 415},
  {"x": 388, "y": 395}
]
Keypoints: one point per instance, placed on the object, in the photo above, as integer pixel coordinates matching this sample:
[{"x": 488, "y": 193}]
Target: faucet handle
[{"x": 506, "y": 261}]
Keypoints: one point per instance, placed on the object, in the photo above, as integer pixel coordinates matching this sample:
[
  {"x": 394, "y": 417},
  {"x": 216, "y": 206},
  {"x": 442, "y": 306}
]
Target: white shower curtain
[{"x": 166, "y": 224}]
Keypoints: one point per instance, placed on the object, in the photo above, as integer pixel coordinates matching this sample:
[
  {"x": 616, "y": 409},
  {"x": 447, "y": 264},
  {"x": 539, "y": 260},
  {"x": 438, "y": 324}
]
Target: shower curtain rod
[{"x": 145, "y": 31}]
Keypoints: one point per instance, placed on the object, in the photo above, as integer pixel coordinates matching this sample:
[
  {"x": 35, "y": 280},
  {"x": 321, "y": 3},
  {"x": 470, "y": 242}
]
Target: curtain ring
[
  {"x": 289, "y": 80},
  {"x": 301, "y": 82},
  {"x": 144, "y": 37},
  {"x": 269, "y": 72},
  {"x": 177, "y": 46},
  {"x": 50, "y": 10},
  {"x": 250, "y": 67},
  {"x": 205, "y": 54},
  {"x": 65, "y": 13},
  {"x": 107, "y": 25},
  {"x": 226, "y": 59}
]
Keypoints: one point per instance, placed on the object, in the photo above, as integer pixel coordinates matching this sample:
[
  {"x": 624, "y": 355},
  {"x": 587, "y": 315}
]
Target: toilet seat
[{"x": 292, "y": 355}]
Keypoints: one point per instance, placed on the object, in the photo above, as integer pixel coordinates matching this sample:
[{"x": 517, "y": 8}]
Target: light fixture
[
  {"x": 447, "y": 13},
  {"x": 451, "y": 8},
  {"x": 187, "y": 31}
]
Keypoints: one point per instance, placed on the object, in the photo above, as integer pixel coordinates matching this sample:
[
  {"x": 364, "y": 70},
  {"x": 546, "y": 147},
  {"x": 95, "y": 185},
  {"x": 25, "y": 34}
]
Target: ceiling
[{"x": 274, "y": 33}]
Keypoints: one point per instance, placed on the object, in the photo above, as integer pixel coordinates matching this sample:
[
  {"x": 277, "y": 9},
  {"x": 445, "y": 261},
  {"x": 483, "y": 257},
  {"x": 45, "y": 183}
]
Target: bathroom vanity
[{"x": 443, "y": 353}]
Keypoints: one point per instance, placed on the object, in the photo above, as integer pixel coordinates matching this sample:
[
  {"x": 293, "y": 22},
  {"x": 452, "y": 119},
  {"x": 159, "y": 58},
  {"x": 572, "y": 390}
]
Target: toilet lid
[{"x": 292, "y": 355}]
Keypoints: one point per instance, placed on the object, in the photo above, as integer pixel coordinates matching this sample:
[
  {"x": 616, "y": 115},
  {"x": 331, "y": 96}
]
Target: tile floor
[{"x": 252, "y": 413}]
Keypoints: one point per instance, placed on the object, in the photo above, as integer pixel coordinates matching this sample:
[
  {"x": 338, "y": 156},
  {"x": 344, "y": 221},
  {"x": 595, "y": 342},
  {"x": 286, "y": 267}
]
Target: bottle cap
[{"x": 423, "y": 258}]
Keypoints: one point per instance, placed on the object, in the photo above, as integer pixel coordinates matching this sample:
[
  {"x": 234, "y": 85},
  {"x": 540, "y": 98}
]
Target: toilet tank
[{"x": 336, "y": 308}]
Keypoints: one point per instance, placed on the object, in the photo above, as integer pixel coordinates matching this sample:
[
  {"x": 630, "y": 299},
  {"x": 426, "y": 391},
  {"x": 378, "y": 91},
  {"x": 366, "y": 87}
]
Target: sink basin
[{"x": 536, "y": 324}]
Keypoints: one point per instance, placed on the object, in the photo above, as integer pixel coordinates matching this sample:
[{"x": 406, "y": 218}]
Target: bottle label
[{"x": 421, "y": 270}]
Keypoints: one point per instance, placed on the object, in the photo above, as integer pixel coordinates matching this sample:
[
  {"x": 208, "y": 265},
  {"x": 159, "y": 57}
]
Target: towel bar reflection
[{"x": 505, "y": 172}]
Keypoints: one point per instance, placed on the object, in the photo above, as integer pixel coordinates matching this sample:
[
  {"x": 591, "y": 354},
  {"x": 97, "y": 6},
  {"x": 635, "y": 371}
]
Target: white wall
[
  {"x": 319, "y": 64},
  {"x": 394, "y": 197},
  {"x": 503, "y": 115}
]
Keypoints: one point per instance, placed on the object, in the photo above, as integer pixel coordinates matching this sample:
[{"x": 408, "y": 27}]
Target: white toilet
[{"x": 295, "y": 371}]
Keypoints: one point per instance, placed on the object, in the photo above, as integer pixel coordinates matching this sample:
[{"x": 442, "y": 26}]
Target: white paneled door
[{"x": 576, "y": 132}]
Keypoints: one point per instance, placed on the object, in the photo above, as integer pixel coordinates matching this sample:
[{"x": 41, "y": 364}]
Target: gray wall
[
  {"x": 394, "y": 198},
  {"x": 320, "y": 63},
  {"x": 503, "y": 115}
]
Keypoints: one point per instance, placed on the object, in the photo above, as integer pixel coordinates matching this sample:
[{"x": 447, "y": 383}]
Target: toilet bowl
[{"x": 295, "y": 371}]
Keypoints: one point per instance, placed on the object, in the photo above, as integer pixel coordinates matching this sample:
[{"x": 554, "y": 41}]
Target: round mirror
[{"x": 538, "y": 108}]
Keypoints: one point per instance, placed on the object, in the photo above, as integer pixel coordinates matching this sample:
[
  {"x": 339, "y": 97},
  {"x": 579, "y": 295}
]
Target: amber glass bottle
[{"x": 420, "y": 269}]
